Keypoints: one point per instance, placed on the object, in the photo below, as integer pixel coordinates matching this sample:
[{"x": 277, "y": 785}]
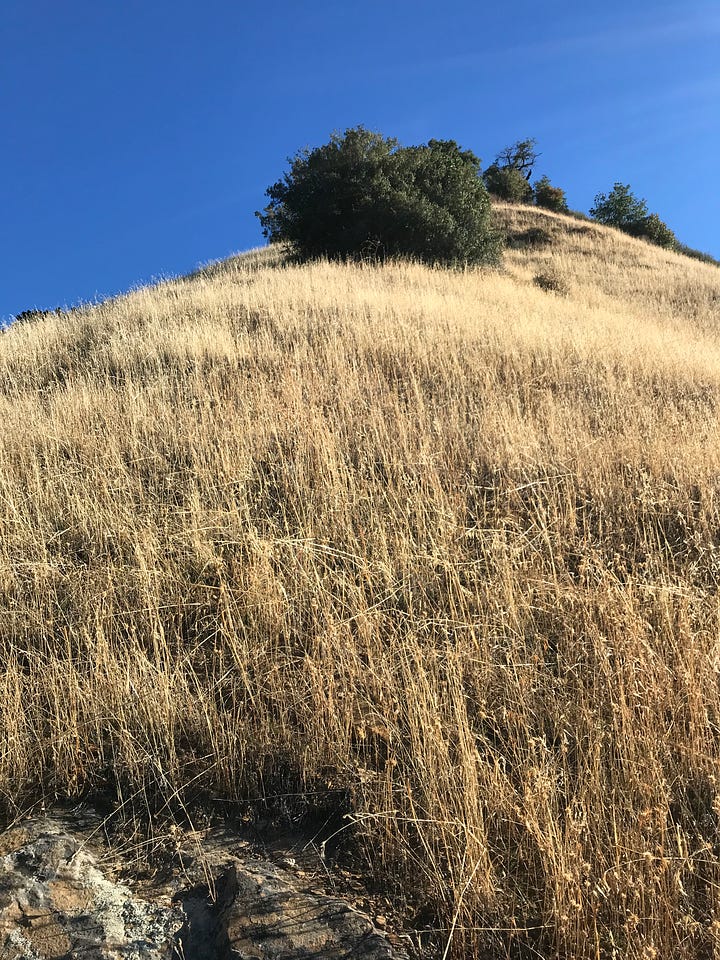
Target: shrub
[
  {"x": 653, "y": 229},
  {"x": 363, "y": 192},
  {"x": 550, "y": 197},
  {"x": 507, "y": 183},
  {"x": 28, "y": 316},
  {"x": 550, "y": 282},
  {"x": 619, "y": 208},
  {"x": 697, "y": 254}
]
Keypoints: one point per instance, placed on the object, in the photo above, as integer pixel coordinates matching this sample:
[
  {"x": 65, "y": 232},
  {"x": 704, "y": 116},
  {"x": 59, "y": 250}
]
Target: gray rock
[
  {"x": 260, "y": 914},
  {"x": 61, "y": 897},
  {"x": 56, "y": 902}
]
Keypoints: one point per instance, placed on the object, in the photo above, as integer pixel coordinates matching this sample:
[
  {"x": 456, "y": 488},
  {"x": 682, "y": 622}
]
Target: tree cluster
[
  {"x": 362, "y": 195},
  {"x": 508, "y": 178}
]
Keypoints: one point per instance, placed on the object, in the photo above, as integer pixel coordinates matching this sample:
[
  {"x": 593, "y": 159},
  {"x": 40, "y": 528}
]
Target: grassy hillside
[{"x": 437, "y": 550}]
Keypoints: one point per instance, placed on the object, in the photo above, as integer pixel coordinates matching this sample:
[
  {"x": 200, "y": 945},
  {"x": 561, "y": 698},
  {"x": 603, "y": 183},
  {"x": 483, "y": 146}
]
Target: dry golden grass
[{"x": 438, "y": 550}]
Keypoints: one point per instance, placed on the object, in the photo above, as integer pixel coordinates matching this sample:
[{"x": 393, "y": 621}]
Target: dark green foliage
[
  {"x": 697, "y": 254},
  {"x": 508, "y": 177},
  {"x": 361, "y": 194},
  {"x": 550, "y": 197},
  {"x": 441, "y": 210},
  {"x": 507, "y": 183},
  {"x": 27, "y": 316},
  {"x": 326, "y": 202},
  {"x": 619, "y": 208},
  {"x": 653, "y": 229},
  {"x": 551, "y": 282}
]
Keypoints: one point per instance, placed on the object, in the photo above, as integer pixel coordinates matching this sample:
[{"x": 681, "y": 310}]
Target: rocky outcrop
[
  {"x": 57, "y": 902},
  {"x": 62, "y": 895}
]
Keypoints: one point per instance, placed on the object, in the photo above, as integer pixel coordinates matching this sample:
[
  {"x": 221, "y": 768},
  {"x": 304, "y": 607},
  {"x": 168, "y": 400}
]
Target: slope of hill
[{"x": 436, "y": 551}]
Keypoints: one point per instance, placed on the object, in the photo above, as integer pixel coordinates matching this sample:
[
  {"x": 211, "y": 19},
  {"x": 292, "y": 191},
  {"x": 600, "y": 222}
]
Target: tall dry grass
[{"x": 437, "y": 550}]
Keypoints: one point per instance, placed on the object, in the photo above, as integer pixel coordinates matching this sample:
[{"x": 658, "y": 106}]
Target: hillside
[{"x": 435, "y": 552}]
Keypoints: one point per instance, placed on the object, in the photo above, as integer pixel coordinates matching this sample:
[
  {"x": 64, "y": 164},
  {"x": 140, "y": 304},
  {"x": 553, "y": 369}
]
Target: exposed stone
[
  {"x": 61, "y": 897},
  {"x": 55, "y": 902},
  {"x": 260, "y": 914}
]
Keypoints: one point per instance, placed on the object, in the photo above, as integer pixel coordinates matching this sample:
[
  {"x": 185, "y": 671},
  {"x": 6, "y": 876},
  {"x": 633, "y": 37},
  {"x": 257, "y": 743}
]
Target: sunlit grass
[{"x": 439, "y": 549}]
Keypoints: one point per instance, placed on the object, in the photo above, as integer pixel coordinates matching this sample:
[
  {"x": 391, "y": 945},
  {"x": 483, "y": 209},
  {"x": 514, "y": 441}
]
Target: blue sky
[{"x": 138, "y": 137}]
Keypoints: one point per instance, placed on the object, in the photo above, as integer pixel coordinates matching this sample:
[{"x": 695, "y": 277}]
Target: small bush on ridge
[
  {"x": 619, "y": 208},
  {"x": 653, "y": 229},
  {"x": 550, "y": 197},
  {"x": 697, "y": 254}
]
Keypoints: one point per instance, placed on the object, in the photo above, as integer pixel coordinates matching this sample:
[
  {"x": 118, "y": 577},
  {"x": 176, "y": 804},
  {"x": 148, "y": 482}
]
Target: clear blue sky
[{"x": 138, "y": 137}]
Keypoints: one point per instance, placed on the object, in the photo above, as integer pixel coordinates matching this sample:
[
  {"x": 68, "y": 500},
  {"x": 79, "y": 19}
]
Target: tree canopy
[
  {"x": 362, "y": 194},
  {"x": 521, "y": 156}
]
